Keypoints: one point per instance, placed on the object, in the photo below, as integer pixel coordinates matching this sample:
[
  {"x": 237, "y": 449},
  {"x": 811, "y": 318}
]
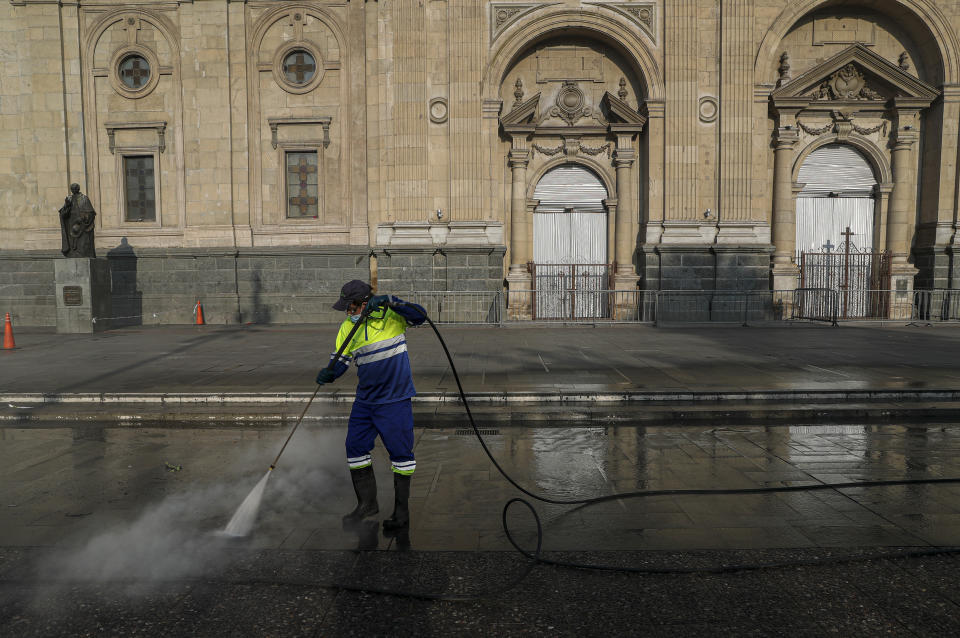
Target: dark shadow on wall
[
  {"x": 126, "y": 299},
  {"x": 261, "y": 311}
]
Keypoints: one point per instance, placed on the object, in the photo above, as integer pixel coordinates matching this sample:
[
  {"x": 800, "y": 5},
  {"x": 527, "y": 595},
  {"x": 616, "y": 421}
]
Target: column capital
[
  {"x": 786, "y": 138},
  {"x": 623, "y": 158},
  {"x": 491, "y": 108},
  {"x": 519, "y": 158},
  {"x": 905, "y": 139}
]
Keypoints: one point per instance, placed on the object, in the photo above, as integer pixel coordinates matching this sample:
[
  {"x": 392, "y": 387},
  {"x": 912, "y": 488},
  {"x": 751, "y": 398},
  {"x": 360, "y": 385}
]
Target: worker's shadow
[
  {"x": 367, "y": 533},
  {"x": 401, "y": 537}
]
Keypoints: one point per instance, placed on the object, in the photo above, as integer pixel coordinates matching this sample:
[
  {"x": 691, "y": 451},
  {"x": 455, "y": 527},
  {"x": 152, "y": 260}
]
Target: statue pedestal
[{"x": 83, "y": 294}]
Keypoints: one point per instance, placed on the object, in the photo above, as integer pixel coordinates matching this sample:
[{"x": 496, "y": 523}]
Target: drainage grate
[{"x": 483, "y": 432}]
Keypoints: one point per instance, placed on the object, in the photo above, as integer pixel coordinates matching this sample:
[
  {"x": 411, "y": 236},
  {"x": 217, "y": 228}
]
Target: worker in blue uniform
[{"x": 384, "y": 389}]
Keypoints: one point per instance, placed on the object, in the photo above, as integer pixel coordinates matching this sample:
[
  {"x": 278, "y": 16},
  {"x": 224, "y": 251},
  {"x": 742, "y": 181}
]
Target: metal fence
[
  {"x": 458, "y": 306},
  {"x": 580, "y": 305},
  {"x": 666, "y": 307}
]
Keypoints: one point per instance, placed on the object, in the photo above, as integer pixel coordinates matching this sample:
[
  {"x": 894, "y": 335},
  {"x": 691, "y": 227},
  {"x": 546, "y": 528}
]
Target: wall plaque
[{"x": 72, "y": 296}]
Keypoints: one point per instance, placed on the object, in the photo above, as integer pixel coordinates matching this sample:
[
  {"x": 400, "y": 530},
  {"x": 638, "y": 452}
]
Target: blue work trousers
[{"x": 393, "y": 422}]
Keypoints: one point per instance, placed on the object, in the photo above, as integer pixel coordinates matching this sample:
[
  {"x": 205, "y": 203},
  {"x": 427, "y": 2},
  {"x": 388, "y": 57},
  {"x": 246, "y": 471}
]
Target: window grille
[
  {"x": 140, "y": 188},
  {"x": 302, "y": 189}
]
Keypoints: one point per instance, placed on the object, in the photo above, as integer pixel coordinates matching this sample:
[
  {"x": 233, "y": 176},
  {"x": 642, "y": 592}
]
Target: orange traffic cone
[
  {"x": 199, "y": 313},
  {"x": 8, "y": 343}
]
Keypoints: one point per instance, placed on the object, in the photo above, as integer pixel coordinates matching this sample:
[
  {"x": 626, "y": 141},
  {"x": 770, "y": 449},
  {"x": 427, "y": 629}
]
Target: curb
[{"x": 487, "y": 398}]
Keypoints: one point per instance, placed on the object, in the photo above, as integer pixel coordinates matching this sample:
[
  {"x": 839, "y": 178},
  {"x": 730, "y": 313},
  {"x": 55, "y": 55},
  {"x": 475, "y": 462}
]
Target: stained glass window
[
  {"x": 139, "y": 187},
  {"x": 134, "y": 71},
  {"x": 302, "y": 184},
  {"x": 299, "y": 67}
]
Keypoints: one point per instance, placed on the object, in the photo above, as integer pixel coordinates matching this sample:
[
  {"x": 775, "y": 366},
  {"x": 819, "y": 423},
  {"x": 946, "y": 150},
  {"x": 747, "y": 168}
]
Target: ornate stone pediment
[
  {"x": 523, "y": 114},
  {"x": 619, "y": 112},
  {"x": 571, "y": 106},
  {"x": 855, "y": 75},
  {"x": 570, "y": 113}
]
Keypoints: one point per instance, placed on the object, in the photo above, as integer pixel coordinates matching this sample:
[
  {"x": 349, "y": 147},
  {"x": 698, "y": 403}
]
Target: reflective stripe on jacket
[{"x": 379, "y": 348}]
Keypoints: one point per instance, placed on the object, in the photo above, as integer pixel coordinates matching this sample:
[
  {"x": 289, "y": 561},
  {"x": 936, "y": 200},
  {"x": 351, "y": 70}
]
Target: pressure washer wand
[{"x": 333, "y": 360}]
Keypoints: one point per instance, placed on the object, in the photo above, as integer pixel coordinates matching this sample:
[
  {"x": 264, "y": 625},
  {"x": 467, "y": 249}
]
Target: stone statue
[{"x": 76, "y": 225}]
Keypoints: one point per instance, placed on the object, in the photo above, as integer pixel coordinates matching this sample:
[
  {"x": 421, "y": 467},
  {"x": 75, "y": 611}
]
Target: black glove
[
  {"x": 379, "y": 301},
  {"x": 325, "y": 375}
]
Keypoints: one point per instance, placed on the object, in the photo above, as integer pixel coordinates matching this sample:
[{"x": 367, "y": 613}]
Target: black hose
[{"x": 537, "y": 558}]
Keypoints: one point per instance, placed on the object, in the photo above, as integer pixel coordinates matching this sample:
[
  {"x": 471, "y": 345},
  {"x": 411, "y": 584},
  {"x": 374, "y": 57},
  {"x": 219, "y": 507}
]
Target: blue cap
[{"x": 355, "y": 291}]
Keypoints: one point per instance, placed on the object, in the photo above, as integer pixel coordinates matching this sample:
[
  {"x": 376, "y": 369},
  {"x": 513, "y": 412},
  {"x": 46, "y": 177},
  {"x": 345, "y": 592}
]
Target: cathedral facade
[{"x": 257, "y": 154}]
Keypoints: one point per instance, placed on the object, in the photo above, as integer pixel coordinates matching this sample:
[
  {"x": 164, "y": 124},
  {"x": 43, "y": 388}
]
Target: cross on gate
[
  {"x": 136, "y": 74},
  {"x": 828, "y": 246},
  {"x": 847, "y": 234},
  {"x": 302, "y": 170},
  {"x": 300, "y": 68}
]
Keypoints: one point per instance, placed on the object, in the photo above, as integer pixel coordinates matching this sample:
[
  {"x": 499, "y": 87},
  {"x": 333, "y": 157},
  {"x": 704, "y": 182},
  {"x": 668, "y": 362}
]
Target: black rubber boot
[
  {"x": 365, "y": 485},
  {"x": 401, "y": 509}
]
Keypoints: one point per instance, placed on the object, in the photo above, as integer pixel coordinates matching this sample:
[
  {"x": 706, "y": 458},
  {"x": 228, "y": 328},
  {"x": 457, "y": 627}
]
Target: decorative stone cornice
[
  {"x": 113, "y": 127},
  {"x": 643, "y": 14},
  {"x": 504, "y": 14},
  {"x": 276, "y": 122}
]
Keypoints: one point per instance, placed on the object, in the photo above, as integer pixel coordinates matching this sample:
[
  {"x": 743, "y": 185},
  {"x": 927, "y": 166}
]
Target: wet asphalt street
[
  {"x": 108, "y": 525},
  {"x": 113, "y": 531}
]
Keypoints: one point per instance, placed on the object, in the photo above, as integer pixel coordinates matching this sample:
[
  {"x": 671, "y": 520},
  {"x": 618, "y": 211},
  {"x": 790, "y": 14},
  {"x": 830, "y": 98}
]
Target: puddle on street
[{"x": 139, "y": 494}]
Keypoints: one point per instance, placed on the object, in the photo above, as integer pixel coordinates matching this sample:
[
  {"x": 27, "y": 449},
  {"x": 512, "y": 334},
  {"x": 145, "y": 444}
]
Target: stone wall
[
  {"x": 705, "y": 268},
  {"x": 27, "y": 287},
  {"x": 934, "y": 265},
  {"x": 422, "y": 269},
  {"x": 153, "y": 286}
]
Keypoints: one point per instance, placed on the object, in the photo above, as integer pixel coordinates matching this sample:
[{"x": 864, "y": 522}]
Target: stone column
[
  {"x": 881, "y": 194},
  {"x": 625, "y": 276},
  {"x": 518, "y": 277},
  {"x": 626, "y": 211},
  {"x": 901, "y": 216},
  {"x": 784, "y": 211},
  {"x": 611, "y": 205},
  {"x": 901, "y": 200}
]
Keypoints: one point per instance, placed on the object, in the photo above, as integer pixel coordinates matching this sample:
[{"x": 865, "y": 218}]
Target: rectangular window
[
  {"x": 301, "y": 171},
  {"x": 139, "y": 188}
]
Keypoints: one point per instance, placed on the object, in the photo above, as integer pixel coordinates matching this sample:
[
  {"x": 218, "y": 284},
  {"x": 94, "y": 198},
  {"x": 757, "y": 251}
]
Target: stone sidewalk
[
  {"x": 801, "y": 371},
  {"x": 99, "y": 536}
]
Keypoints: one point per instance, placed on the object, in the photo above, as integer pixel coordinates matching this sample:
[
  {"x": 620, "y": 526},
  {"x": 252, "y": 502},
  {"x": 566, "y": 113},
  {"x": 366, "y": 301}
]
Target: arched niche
[
  {"x": 609, "y": 29},
  {"x": 917, "y": 27},
  {"x": 290, "y": 116},
  {"x": 114, "y": 123},
  {"x": 596, "y": 67}
]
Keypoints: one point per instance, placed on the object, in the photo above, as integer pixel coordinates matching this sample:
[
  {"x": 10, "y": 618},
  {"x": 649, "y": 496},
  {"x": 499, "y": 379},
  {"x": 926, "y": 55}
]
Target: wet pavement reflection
[{"x": 146, "y": 491}]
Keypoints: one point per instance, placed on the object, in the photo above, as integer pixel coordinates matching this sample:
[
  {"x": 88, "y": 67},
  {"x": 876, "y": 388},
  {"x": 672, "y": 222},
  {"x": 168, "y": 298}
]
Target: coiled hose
[{"x": 535, "y": 556}]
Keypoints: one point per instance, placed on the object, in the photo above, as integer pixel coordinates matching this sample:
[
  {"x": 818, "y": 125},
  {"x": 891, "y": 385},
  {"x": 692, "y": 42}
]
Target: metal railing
[
  {"x": 458, "y": 306},
  {"x": 665, "y": 307},
  {"x": 499, "y": 307},
  {"x": 581, "y": 306}
]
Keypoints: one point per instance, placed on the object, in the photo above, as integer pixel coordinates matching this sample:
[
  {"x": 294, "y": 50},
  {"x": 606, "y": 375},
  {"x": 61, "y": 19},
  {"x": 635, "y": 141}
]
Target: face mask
[{"x": 354, "y": 318}]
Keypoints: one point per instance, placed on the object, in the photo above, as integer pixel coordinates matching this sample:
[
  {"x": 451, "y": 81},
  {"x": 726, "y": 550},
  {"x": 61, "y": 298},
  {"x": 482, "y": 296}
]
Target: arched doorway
[
  {"x": 836, "y": 232},
  {"x": 570, "y": 244},
  {"x": 838, "y": 193}
]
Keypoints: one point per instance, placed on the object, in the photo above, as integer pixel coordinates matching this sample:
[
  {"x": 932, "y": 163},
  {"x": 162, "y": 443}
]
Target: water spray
[{"x": 242, "y": 521}]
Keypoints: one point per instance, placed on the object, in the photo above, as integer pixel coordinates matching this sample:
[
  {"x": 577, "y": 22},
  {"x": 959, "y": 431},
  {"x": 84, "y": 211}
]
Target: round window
[
  {"x": 299, "y": 67},
  {"x": 134, "y": 72}
]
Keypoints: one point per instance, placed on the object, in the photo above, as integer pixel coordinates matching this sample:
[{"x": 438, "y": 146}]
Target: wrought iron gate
[
  {"x": 859, "y": 278},
  {"x": 570, "y": 291}
]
